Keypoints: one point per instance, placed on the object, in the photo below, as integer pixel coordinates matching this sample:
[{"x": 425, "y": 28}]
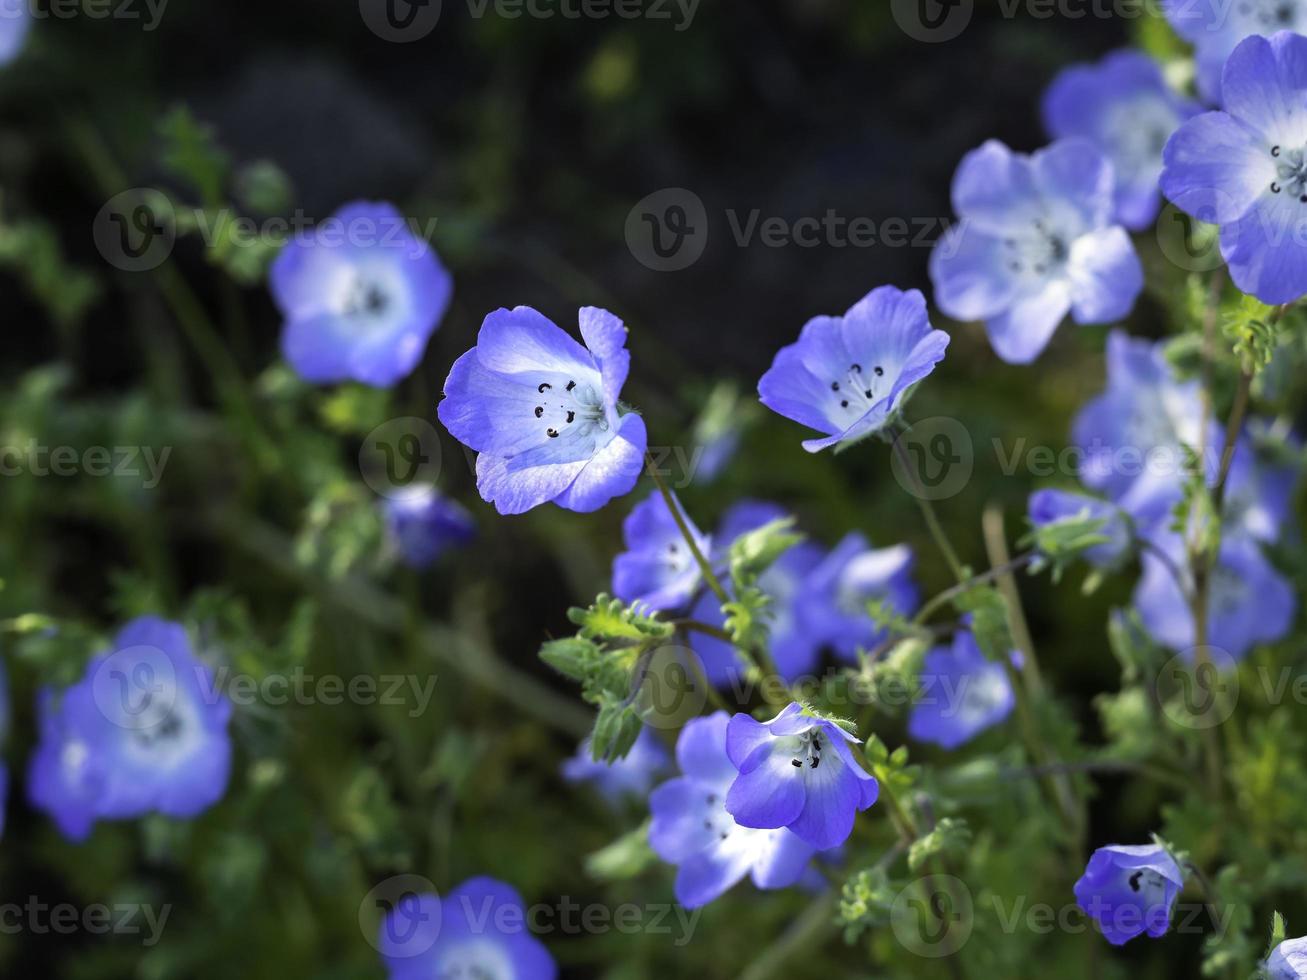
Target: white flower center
[
  {"x": 855, "y": 391},
  {"x": 477, "y": 959},
  {"x": 571, "y": 408}
]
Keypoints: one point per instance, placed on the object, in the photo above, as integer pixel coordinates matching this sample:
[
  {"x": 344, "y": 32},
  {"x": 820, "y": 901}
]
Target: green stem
[
  {"x": 928, "y": 509},
  {"x": 949, "y": 594},
  {"x": 705, "y": 568}
]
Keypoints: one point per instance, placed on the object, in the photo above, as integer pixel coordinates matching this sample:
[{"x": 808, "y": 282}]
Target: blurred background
[{"x": 528, "y": 141}]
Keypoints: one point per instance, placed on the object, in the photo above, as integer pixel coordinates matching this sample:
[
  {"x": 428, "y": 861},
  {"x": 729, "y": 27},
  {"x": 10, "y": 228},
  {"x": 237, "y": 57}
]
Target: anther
[
  {"x": 571, "y": 385},
  {"x": 552, "y": 433},
  {"x": 543, "y": 386}
]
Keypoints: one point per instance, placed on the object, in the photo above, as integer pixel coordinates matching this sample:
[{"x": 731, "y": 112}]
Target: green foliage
[
  {"x": 949, "y": 841},
  {"x": 1253, "y": 328},
  {"x": 30, "y": 249},
  {"x": 1063, "y": 542},
  {"x": 989, "y": 620},
  {"x": 865, "y": 902}
]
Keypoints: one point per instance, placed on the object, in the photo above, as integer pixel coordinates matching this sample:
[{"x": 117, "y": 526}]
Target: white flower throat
[{"x": 569, "y": 407}]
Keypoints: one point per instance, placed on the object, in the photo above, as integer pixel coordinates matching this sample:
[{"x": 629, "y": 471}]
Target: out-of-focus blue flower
[
  {"x": 1049, "y": 506},
  {"x": 480, "y": 929},
  {"x": 692, "y": 829},
  {"x": 962, "y": 694},
  {"x": 1215, "y": 30},
  {"x": 423, "y": 524},
  {"x": 1133, "y": 435},
  {"x": 1035, "y": 241},
  {"x": 797, "y": 771},
  {"x": 1245, "y": 168},
  {"x": 1125, "y": 108},
  {"x": 542, "y": 411},
  {"x": 633, "y": 775},
  {"x": 1258, "y": 493},
  {"x": 1249, "y": 601},
  {"x": 361, "y": 296},
  {"x": 1129, "y": 890},
  {"x": 657, "y": 567},
  {"x": 15, "y": 21},
  {"x": 832, "y": 606},
  {"x": 144, "y": 731},
  {"x": 846, "y": 374},
  {"x": 794, "y": 650},
  {"x": 1288, "y": 961}
]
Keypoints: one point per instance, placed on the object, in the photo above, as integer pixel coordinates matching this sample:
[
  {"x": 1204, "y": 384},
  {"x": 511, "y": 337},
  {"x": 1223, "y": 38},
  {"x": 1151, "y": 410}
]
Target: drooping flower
[
  {"x": 423, "y": 524},
  {"x": 1249, "y": 602},
  {"x": 797, "y": 771},
  {"x": 845, "y": 376},
  {"x": 692, "y": 829},
  {"x": 144, "y": 731},
  {"x": 832, "y": 607},
  {"x": 1035, "y": 241},
  {"x": 1125, "y": 108},
  {"x": 15, "y": 21},
  {"x": 1216, "y": 29},
  {"x": 542, "y": 411},
  {"x": 1129, "y": 890},
  {"x": 1245, "y": 168},
  {"x": 1050, "y": 506},
  {"x": 631, "y": 776},
  {"x": 963, "y": 693},
  {"x": 657, "y": 567},
  {"x": 1288, "y": 961},
  {"x": 794, "y": 649},
  {"x": 361, "y": 296},
  {"x": 480, "y": 929}
]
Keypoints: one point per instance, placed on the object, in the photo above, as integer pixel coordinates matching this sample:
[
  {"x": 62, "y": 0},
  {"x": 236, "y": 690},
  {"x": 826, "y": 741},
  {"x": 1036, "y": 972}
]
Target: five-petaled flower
[
  {"x": 542, "y": 411},
  {"x": 658, "y": 568},
  {"x": 1129, "y": 890},
  {"x": 963, "y": 693},
  {"x": 846, "y": 375},
  {"x": 480, "y": 929},
  {"x": 1288, "y": 961},
  {"x": 1035, "y": 241},
  {"x": 1216, "y": 28},
  {"x": 423, "y": 524},
  {"x": 1245, "y": 168},
  {"x": 1123, "y": 106},
  {"x": 361, "y": 296},
  {"x": 797, "y": 771}
]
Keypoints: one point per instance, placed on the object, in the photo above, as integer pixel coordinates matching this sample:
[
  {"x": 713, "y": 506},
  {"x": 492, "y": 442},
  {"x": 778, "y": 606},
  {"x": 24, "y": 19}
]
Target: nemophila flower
[
  {"x": 423, "y": 524},
  {"x": 1245, "y": 168},
  {"x": 1215, "y": 29},
  {"x": 1133, "y": 435},
  {"x": 794, "y": 649},
  {"x": 832, "y": 606},
  {"x": 542, "y": 411},
  {"x": 15, "y": 21},
  {"x": 1049, "y": 506},
  {"x": 797, "y": 771},
  {"x": 692, "y": 829},
  {"x": 846, "y": 375},
  {"x": 1288, "y": 961},
  {"x": 479, "y": 930},
  {"x": 963, "y": 693},
  {"x": 633, "y": 775},
  {"x": 145, "y": 730},
  {"x": 1259, "y": 491},
  {"x": 1249, "y": 601},
  {"x": 1125, "y": 108},
  {"x": 1129, "y": 890},
  {"x": 361, "y": 296},
  {"x": 1036, "y": 240},
  {"x": 657, "y": 567}
]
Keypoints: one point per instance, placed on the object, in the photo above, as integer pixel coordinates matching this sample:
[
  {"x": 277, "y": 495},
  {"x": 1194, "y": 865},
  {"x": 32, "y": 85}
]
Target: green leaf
[
  {"x": 624, "y": 858},
  {"x": 191, "y": 153},
  {"x": 950, "y": 839}
]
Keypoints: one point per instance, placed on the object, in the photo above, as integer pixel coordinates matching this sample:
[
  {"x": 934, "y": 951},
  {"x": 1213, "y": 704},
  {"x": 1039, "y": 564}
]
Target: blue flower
[
  {"x": 15, "y": 21},
  {"x": 543, "y": 413},
  {"x": 657, "y": 567},
  {"x": 144, "y": 731},
  {"x": 423, "y": 524},
  {"x": 1215, "y": 29},
  {"x": 633, "y": 775},
  {"x": 1050, "y": 506},
  {"x": 794, "y": 648},
  {"x": 1125, "y": 108},
  {"x": 832, "y": 607},
  {"x": 1249, "y": 602},
  {"x": 797, "y": 771},
  {"x": 1035, "y": 241},
  {"x": 1128, "y": 890},
  {"x": 1288, "y": 961},
  {"x": 1259, "y": 492},
  {"x": 846, "y": 374},
  {"x": 361, "y": 296},
  {"x": 692, "y": 829},
  {"x": 963, "y": 693},
  {"x": 480, "y": 929},
  {"x": 1244, "y": 169}
]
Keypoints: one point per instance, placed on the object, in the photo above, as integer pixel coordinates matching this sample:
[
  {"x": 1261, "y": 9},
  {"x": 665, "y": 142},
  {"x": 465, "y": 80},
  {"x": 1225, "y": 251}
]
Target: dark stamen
[
  {"x": 552, "y": 433},
  {"x": 543, "y": 386},
  {"x": 540, "y": 410}
]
